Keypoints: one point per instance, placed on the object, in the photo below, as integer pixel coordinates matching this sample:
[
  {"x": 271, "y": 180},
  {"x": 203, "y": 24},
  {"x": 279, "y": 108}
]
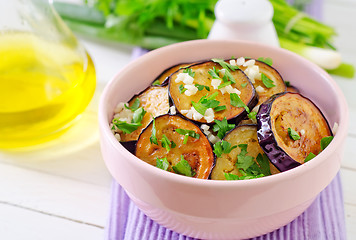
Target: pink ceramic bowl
[{"x": 223, "y": 209}]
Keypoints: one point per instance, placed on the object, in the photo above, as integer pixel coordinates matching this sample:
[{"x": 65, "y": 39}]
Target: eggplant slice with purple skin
[
  {"x": 271, "y": 73},
  {"x": 155, "y": 102},
  {"x": 162, "y": 79},
  {"x": 280, "y": 119},
  {"x": 197, "y": 152},
  {"x": 203, "y": 81},
  {"x": 226, "y": 163}
]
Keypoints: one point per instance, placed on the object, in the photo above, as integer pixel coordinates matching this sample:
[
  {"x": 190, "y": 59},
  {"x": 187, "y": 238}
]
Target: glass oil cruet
[{"x": 46, "y": 77}]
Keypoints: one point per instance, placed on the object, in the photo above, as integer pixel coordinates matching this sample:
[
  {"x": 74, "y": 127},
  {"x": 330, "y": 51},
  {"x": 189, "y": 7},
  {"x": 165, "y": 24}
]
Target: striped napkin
[{"x": 323, "y": 220}]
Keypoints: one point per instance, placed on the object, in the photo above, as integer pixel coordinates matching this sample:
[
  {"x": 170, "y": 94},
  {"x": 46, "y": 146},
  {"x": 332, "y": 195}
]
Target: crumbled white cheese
[
  {"x": 122, "y": 113},
  {"x": 249, "y": 63},
  {"x": 302, "y": 132},
  {"x": 335, "y": 128},
  {"x": 204, "y": 127},
  {"x": 229, "y": 89},
  {"x": 117, "y": 136},
  {"x": 185, "y": 78},
  {"x": 240, "y": 61},
  {"x": 260, "y": 89},
  {"x": 222, "y": 72},
  {"x": 119, "y": 107},
  {"x": 213, "y": 139},
  {"x": 253, "y": 72},
  {"x": 192, "y": 114},
  {"x": 232, "y": 62},
  {"x": 191, "y": 89},
  {"x": 255, "y": 109},
  {"x": 172, "y": 110},
  {"x": 209, "y": 115},
  {"x": 215, "y": 83}
]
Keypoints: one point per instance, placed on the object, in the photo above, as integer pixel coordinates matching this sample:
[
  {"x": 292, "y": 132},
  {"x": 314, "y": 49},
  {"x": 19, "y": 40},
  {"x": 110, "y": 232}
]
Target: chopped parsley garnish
[
  {"x": 138, "y": 115},
  {"x": 243, "y": 85},
  {"x": 220, "y": 108},
  {"x": 214, "y": 73},
  {"x": 236, "y": 101},
  {"x": 166, "y": 143},
  {"x": 201, "y": 87},
  {"x": 183, "y": 167},
  {"x": 263, "y": 163},
  {"x": 153, "y": 138},
  {"x": 162, "y": 163},
  {"x": 227, "y": 67},
  {"x": 293, "y": 134},
  {"x": 325, "y": 142},
  {"x": 124, "y": 126},
  {"x": 266, "y": 81},
  {"x": 156, "y": 83},
  {"x": 134, "y": 106},
  {"x": 222, "y": 147},
  {"x": 224, "y": 84},
  {"x": 222, "y": 127},
  {"x": 244, "y": 161},
  {"x": 287, "y": 83},
  {"x": 309, "y": 157},
  {"x": 189, "y": 71},
  {"x": 206, "y": 102},
  {"x": 182, "y": 89},
  {"x": 230, "y": 176},
  {"x": 252, "y": 115},
  {"x": 266, "y": 60},
  {"x": 187, "y": 133}
]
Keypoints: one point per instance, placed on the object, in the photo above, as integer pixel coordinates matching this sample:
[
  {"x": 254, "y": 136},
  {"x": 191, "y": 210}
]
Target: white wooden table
[{"x": 62, "y": 191}]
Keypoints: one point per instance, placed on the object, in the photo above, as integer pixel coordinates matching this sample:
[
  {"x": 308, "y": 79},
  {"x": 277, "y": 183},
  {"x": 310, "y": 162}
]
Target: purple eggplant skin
[
  {"x": 130, "y": 146},
  {"x": 278, "y": 157}
]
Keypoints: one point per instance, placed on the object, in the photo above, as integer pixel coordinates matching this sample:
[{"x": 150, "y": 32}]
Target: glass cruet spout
[{"x": 47, "y": 78}]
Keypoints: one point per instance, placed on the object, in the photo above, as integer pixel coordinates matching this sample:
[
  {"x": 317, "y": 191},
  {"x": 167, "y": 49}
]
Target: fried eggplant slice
[
  {"x": 154, "y": 101},
  {"x": 266, "y": 80},
  {"x": 202, "y": 92},
  {"x": 162, "y": 139},
  {"x": 290, "y": 127},
  {"x": 234, "y": 161},
  {"x": 162, "y": 79}
]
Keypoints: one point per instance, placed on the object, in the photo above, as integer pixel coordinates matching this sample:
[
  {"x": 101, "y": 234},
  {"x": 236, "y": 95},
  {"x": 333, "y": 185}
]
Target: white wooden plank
[
  {"x": 350, "y": 217},
  {"x": 348, "y": 178},
  {"x": 55, "y": 195},
  {"x": 19, "y": 224}
]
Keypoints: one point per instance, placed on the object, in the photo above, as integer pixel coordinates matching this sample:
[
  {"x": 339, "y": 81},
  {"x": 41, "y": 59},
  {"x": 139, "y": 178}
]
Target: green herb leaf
[
  {"x": 293, "y": 134},
  {"x": 214, "y": 73},
  {"x": 134, "y": 106},
  {"x": 252, "y": 115},
  {"x": 219, "y": 108},
  {"x": 230, "y": 176},
  {"x": 325, "y": 142},
  {"x": 156, "y": 83},
  {"x": 244, "y": 161},
  {"x": 224, "y": 84},
  {"x": 153, "y": 138},
  {"x": 263, "y": 163},
  {"x": 236, "y": 101},
  {"x": 162, "y": 163},
  {"x": 187, "y": 133},
  {"x": 266, "y": 81},
  {"x": 182, "y": 89},
  {"x": 243, "y": 85},
  {"x": 125, "y": 127},
  {"x": 189, "y": 71},
  {"x": 287, "y": 83},
  {"x": 266, "y": 60},
  {"x": 201, "y": 87},
  {"x": 138, "y": 115},
  {"x": 222, "y": 127},
  {"x": 222, "y": 147},
  {"x": 206, "y": 102},
  {"x": 183, "y": 167},
  {"x": 166, "y": 143},
  {"x": 227, "y": 68},
  {"x": 309, "y": 157}
]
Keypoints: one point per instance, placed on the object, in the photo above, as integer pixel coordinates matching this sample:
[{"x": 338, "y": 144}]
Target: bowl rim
[{"x": 168, "y": 176}]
